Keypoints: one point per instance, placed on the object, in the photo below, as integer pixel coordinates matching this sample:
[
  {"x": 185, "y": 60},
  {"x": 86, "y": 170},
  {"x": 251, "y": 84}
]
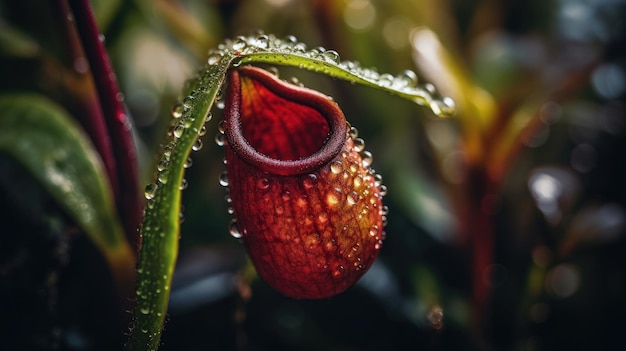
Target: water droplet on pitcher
[
  {"x": 367, "y": 159},
  {"x": 353, "y": 133},
  {"x": 322, "y": 218},
  {"x": 374, "y": 231},
  {"x": 383, "y": 190},
  {"x": 309, "y": 181},
  {"x": 263, "y": 183},
  {"x": 219, "y": 139},
  {"x": 233, "y": 229},
  {"x": 333, "y": 197},
  {"x": 352, "y": 198},
  {"x": 359, "y": 145},
  {"x": 384, "y": 210},
  {"x": 224, "y": 179},
  {"x": 336, "y": 167}
]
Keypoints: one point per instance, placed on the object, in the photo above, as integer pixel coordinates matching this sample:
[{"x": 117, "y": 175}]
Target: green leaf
[
  {"x": 160, "y": 228},
  {"x": 42, "y": 137}
]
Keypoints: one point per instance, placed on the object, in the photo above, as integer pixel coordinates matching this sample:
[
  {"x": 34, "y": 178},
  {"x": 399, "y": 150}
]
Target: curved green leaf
[
  {"x": 41, "y": 136},
  {"x": 160, "y": 227}
]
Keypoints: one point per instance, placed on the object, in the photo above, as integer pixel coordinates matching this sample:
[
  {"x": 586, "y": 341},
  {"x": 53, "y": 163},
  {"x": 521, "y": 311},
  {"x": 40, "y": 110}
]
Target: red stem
[{"x": 117, "y": 122}]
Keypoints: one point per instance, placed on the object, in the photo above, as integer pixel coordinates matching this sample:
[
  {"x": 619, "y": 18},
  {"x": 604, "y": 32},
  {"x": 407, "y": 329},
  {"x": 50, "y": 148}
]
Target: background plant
[{"x": 506, "y": 220}]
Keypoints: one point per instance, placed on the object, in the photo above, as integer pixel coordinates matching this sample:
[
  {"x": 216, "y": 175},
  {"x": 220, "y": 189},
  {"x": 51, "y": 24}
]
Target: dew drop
[
  {"x": 338, "y": 271},
  {"x": 408, "y": 77},
  {"x": 188, "y": 163},
  {"x": 299, "y": 47},
  {"x": 219, "y": 105},
  {"x": 202, "y": 131},
  {"x": 177, "y": 110},
  {"x": 179, "y": 130},
  {"x": 197, "y": 145},
  {"x": 367, "y": 159},
  {"x": 144, "y": 310},
  {"x": 188, "y": 101},
  {"x": 309, "y": 181},
  {"x": 286, "y": 196},
  {"x": 183, "y": 184},
  {"x": 302, "y": 201},
  {"x": 219, "y": 139},
  {"x": 162, "y": 177},
  {"x": 162, "y": 165},
  {"x": 443, "y": 108},
  {"x": 274, "y": 71},
  {"x": 150, "y": 191},
  {"x": 262, "y": 183},
  {"x": 322, "y": 218},
  {"x": 336, "y": 167},
  {"x": 378, "y": 179},
  {"x": 354, "y": 167},
  {"x": 214, "y": 59},
  {"x": 208, "y": 117},
  {"x": 240, "y": 43},
  {"x": 383, "y": 190},
  {"x": 279, "y": 210},
  {"x": 262, "y": 41},
  {"x": 385, "y": 80},
  {"x": 353, "y": 133},
  {"x": 384, "y": 211},
  {"x": 331, "y": 56},
  {"x": 233, "y": 229},
  {"x": 220, "y": 127},
  {"x": 290, "y": 40},
  {"x": 358, "y": 181},
  {"x": 332, "y": 198},
  {"x": 352, "y": 198},
  {"x": 167, "y": 150},
  {"x": 224, "y": 179},
  {"x": 359, "y": 145},
  {"x": 374, "y": 230}
]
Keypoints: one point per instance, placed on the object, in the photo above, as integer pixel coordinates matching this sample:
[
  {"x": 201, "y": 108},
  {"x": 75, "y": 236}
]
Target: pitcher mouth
[{"x": 309, "y": 137}]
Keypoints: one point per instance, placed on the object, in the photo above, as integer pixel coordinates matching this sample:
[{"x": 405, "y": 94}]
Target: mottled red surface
[{"x": 308, "y": 210}]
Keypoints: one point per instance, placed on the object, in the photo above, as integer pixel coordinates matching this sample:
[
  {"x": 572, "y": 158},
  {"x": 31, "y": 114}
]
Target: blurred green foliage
[{"x": 507, "y": 222}]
